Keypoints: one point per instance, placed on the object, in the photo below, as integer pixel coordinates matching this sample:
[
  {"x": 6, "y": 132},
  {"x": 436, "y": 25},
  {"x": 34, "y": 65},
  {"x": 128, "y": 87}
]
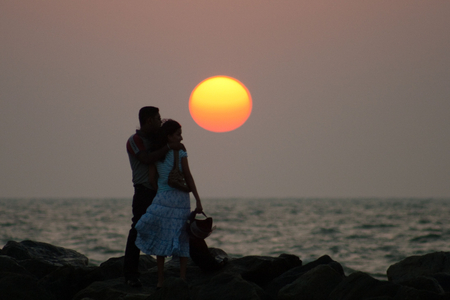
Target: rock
[
  {"x": 408, "y": 293},
  {"x": 113, "y": 286},
  {"x": 424, "y": 283},
  {"x": 67, "y": 281},
  {"x": 359, "y": 286},
  {"x": 38, "y": 267},
  {"x": 227, "y": 286},
  {"x": 173, "y": 289},
  {"x": 113, "y": 289},
  {"x": 41, "y": 259},
  {"x": 10, "y": 265},
  {"x": 23, "y": 287},
  {"x": 315, "y": 284},
  {"x": 33, "y": 270},
  {"x": 207, "y": 259},
  {"x": 196, "y": 277},
  {"x": 113, "y": 267},
  {"x": 416, "y": 266},
  {"x": 262, "y": 270},
  {"x": 216, "y": 252},
  {"x": 290, "y": 276},
  {"x": 443, "y": 280},
  {"x": 18, "y": 283},
  {"x": 52, "y": 255},
  {"x": 199, "y": 279}
]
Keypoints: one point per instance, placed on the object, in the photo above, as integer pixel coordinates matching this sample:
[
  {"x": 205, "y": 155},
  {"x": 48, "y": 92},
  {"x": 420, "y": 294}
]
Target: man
[{"x": 144, "y": 181}]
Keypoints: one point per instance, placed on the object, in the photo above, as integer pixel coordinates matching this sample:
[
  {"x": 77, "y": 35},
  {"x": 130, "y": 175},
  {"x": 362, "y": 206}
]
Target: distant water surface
[{"x": 362, "y": 234}]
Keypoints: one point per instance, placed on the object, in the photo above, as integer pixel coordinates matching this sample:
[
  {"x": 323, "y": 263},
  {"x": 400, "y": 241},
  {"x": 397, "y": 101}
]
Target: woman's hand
[{"x": 199, "y": 208}]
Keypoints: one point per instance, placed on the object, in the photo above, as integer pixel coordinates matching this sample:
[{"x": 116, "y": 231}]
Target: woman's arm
[{"x": 190, "y": 182}]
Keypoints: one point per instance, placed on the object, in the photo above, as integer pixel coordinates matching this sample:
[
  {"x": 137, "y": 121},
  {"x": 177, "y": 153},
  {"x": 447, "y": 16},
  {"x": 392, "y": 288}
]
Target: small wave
[
  {"x": 332, "y": 230},
  {"x": 432, "y": 229},
  {"x": 335, "y": 249},
  {"x": 359, "y": 236},
  {"x": 105, "y": 250},
  {"x": 372, "y": 226},
  {"x": 257, "y": 212},
  {"x": 379, "y": 276},
  {"x": 7, "y": 224},
  {"x": 424, "y": 221},
  {"x": 426, "y": 238}
]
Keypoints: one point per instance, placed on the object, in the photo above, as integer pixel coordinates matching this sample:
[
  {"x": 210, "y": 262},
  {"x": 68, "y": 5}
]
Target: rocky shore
[{"x": 36, "y": 270}]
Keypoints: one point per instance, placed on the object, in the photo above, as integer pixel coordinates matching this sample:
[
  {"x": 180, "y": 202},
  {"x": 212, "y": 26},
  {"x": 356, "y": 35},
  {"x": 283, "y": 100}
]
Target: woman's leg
[
  {"x": 183, "y": 266},
  {"x": 160, "y": 264}
]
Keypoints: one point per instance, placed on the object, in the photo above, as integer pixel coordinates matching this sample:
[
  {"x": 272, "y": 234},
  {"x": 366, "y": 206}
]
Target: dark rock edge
[{"x": 36, "y": 270}]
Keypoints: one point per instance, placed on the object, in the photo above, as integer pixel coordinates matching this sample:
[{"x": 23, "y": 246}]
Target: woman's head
[{"x": 170, "y": 131}]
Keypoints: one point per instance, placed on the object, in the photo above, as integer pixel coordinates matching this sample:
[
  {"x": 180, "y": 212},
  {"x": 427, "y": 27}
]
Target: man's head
[{"x": 149, "y": 118}]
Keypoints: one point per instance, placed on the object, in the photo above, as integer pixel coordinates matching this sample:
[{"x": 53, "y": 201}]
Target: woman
[{"x": 161, "y": 230}]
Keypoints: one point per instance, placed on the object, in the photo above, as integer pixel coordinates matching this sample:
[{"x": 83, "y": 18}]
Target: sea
[{"x": 366, "y": 234}]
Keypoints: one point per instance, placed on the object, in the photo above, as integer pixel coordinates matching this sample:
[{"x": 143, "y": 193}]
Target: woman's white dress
[{"x": 161, "y": 230}]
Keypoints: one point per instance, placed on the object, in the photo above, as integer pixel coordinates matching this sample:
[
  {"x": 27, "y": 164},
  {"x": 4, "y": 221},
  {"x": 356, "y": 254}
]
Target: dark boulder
[
  {"x": 409, "y": 293},
  {"x": 33, "y": 270},
  {"x": 315, "y": 284},
  {"x": 113, "y": 289},
  {"x": 293, "y": 274},
  {"x": 52, "y": 255},
  {"x": 23, "y": 287},
  {"x": 38, "y": 267},
  {"x": 359, "y": 286},
  {"x": 227, "y": 286},
  {"x": 173, "y": 289},
  {"x": 262, "y": 270},
  {"x": 113, "y": 267},
  {"x": 424, "y": 283},
  {"x": 41, "y": 259},
  {"x": 416, "y": 266},
  {"x": 10, "y": 265},
  {"x": 443, "y": 279},
  {"x": 66, "y": 281}
]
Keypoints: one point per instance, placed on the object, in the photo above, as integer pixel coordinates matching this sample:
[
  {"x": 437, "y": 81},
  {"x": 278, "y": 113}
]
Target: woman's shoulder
[{"x": 183, "y": 153}]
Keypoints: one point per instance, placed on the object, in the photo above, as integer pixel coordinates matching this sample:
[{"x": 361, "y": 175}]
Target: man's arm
[{"x": 148, "y": 157}]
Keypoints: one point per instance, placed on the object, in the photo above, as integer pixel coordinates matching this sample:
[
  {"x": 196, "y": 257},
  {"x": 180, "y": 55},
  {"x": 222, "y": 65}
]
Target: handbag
[
  {"x": 176, "y": 178},
  {"x": 199, "y": 229}
]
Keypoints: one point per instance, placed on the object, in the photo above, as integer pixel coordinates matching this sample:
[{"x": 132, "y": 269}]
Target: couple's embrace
[{"x": 160, "y": 211}]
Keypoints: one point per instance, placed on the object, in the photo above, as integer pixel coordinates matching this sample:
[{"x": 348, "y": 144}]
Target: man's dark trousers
[{"x": 142, "y": 199}]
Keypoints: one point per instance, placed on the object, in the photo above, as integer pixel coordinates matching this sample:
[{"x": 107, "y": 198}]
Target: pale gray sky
[{"x": 350, "y": 98}]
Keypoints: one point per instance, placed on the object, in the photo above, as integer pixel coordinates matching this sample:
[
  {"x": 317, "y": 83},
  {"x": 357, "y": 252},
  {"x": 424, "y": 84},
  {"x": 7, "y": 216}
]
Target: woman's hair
[{"x": 168, "y": 127}]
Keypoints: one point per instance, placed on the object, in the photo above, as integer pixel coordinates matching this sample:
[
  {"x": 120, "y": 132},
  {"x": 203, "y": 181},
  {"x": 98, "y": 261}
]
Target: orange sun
[{"x": 220, "y": 104}]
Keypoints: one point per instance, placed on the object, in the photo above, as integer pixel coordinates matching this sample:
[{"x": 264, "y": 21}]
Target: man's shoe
[{"x": 134, "y": 282}]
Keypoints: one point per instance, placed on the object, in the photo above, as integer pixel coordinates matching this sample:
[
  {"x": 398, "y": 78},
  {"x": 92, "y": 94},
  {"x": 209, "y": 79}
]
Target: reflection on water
[{"x": 362, "y": 234}]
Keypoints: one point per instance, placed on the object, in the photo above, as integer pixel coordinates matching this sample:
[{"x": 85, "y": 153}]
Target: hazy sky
[{"x": 350, "y": 98}]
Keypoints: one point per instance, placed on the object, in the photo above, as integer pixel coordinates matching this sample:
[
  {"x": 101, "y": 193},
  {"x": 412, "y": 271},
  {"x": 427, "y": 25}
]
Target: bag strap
[{"x": 175, "y": 160}]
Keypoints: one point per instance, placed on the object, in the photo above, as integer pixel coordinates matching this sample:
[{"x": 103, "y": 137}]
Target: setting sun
[{"x": 220, "y": 104}]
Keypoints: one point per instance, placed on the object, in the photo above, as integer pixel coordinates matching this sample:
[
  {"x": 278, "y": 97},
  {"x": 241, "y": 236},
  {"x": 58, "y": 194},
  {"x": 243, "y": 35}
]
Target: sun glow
[{"x": 220, "y": 104}]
